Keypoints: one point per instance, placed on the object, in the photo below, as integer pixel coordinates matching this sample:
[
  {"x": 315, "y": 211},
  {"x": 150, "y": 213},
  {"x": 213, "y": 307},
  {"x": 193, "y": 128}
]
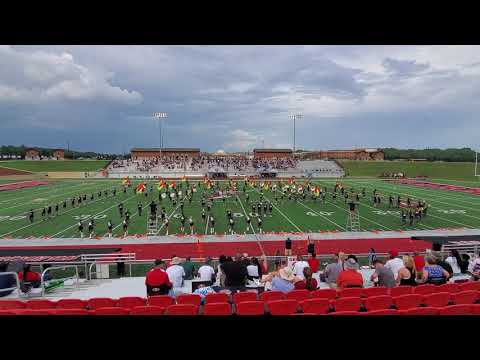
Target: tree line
[
  {"x": 10, "y": 150},
  {"x": 461, "y": 155}
]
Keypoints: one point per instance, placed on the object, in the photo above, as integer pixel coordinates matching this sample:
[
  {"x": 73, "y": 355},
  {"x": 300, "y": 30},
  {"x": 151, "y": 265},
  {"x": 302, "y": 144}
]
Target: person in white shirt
[
  {"x": 298, "y": 267},
  {"x": 395, "y": 263},
  {"x": 206, "y": 271},
  {"x": 452, "y": 260},
  {"x": 176, "y": 273}
]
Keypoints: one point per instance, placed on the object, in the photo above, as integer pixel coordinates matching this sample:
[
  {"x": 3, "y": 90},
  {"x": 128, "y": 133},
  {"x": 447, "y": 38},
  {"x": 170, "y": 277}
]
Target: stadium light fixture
[
  {"x": 294, "y": 117},
  {"x": 160, "y": 116}
]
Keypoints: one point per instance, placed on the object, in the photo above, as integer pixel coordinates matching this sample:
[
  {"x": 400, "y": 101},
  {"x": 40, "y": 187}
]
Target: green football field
[
  {"x": 54, "y": 165},
  {"x": 447, "y": 209}
]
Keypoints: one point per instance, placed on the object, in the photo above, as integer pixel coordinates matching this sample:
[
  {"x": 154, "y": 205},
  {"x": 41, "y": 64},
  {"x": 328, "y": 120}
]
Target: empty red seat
[
  {"x": 476, "y": 309},
  {"x": 250, "y": 308},
  {"x": 401, "y": 290},
  {"x": 282, "y": 307},
  {"x": 298, "y": 295},
  {"x": 375, "y": 291},
  {"x": 347, "y": 304},
  {"x": 378, "y": 302},
  {"x": 405, "y": 302},
  {"x": 424, "y": 289},
  {"x": 11, "y": 304},
  {"x": 96, "y": 303},
  {"x": 71, "y": 304},
  {"x": 439, "y": 299},
  {"x": 182, "y": 309},
  {"x": 37, "y": 312},
  {"x": 382, "y": 312},
  {"x": 470, "y": 285},
  {"x": 351, "y": 292},
  {"x": 216, "y": 298},
  {"x": 69, "y": 312},
  {"x": 272, "y": 295},
  {"x": 111, "y": 311},
  {"x": 147, "y": 310},
  {"x": 189, "y": 299},
  {"x": 307, "y": 314},
  {"x": 317, "y": 306},
  {"x": 41, "y": 304},
  {"x": 465, "y": 297},
  {"x": 420, "y": 311},
  {"x": 244, "y": 296},
  {"x": 161, "y": 300},
  {"x": 463, "y": 309},
  {"x": 324, "y": 294},
  {"x": 130, "y": 302},
  {"x": 222, "y": 308},
  {"x": 7, "y": 313},
  {"x": 352, "y": 313},
  {"x": 450, "y": 288}
]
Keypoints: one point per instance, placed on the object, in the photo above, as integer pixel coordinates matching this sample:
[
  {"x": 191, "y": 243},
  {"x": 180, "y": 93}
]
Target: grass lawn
[
  {"x": 447, "y": 209},
  {"x": 55, "y": 165}
]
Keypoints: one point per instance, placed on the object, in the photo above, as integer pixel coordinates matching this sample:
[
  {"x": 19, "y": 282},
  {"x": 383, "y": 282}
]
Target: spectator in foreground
[
  {"x": 157, "y": 281},
  {"x": 333, "y": 270},
  {"x": 189, "y": 268},
  {"x": 176, "y": 273},
  {"x": 419, "y": 261},
  {"x": 298, "y": 267},
  {"x": 235, "y": 274},
  {"x": 203, "y": 291},
  {"x": 220, "y": 281},
  {"x": 309, "y": 282},
  {"x": 313, "y": 263},
  {"x": 372, "y": 256},
  {"x": 29, "y": 276},
  {"x": 382, "y": 275},
  {"x": 474, "y": 268},
  {"x": 434, "y": 273},
  {"x": 408, "y": 274},
  {"x": 206, "y": 272},
  {"x": 454, "y": 260},
  {"x": 350, "y": 277},
  {"x": 6, "y": 281},
  {"x": 254, "y": 271},
  {"x": 440, "y": 262},
  {"x": 394, "y": 263}
]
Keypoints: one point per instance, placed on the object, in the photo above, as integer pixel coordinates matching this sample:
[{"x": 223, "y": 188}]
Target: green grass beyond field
[
  {"x": 437, "y": 170},
  {"x": 446, "y": 209},
  {"x": 55, "y": 165}
]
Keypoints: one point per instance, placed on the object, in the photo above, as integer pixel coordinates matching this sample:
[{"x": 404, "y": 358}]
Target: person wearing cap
[
  {"x": 394, "y": 263},
  {"x": 350, "y": 277},
  {"x": 176, "y": 273},
  {"x": 157, "y": 281},
  {"x": 382, "y": 274}
]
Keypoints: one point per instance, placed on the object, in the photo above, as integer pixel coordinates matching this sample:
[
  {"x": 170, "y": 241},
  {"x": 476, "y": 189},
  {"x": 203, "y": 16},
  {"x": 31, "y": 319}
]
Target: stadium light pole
[
  {"x": 160, "y": 116},
  {"x": 294, "y": 117}
]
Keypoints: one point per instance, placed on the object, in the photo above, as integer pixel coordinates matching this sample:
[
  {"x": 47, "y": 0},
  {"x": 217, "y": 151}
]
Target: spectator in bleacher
[
  {"x": 176, "y": 273},
  {"x": 157, "y": 281},
  {"x": 203, "y": 291},
  {"x": 308, "y": 282},
  {"x": 254, "y": 270},
  {"x": 419, "y": 261},
  {"x": 313, "y": 263},
  {"x": 474, "y": 268},
  {"x": 350, "y": 277},
  {"x": 298, "y": 267},
  {"x": 394, "y": 263},
  {"x": 333, "y": 269},
  {"x": 372, "y": 256},
  {"x": 382, "y": 275},
  {"x": 464, "y": 263},
  {"x": 440, "y": 262},
  {"x": 408, "y": 274},
  {"x": 189, "y": 268},
  {"x": 220, "y": 274},
  {"x": 433, "y": 273},
  {"x": 206, "y": 272},
  {"x": 282, "y": 280},
  {"x": 29, "y": 276},
  {"x": 454, "y": 260},
  {"x": 235, "y": 274},
  {"x": 6, "y": 281}
]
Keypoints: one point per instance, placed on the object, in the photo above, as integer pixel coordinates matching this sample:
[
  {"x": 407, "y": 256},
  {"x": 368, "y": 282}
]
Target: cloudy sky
[{"x": 101, "y": 98}]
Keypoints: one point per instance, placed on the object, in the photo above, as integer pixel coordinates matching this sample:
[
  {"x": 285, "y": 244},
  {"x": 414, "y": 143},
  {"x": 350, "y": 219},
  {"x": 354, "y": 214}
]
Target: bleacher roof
[
  {"x": 273, "y": 150},
  {"x": 166, "y": 149}
]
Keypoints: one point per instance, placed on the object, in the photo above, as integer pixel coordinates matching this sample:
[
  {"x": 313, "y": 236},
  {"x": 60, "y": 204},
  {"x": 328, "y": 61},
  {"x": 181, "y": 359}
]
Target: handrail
[
  {"x": 112, "y": 256},
  {"x": 17, "y": 282},
  {"x": 62, "y": 268}
]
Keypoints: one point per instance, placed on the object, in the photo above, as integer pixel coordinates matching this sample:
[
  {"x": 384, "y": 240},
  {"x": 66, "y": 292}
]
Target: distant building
[
  {"x": 272, "y": 153},
  {"x": 354, "y": 154},
  {"x": 59, "y": 154},
  {"x": 149, "y": 153},
  {"x": 32, "y": 154}
]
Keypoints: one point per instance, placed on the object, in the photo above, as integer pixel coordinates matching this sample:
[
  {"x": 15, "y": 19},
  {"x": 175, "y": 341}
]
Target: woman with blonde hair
[{"x": 407, "y": 275}]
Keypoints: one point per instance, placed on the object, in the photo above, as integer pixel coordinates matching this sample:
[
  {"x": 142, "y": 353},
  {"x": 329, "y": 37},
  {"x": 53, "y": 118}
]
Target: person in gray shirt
[
  {"x": 333, "y": 269},
  {"x": 384, "y": 275}
]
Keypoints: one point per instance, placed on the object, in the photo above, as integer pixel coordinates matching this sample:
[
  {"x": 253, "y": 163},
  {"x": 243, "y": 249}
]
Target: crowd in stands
[{"x": 275, "y": 163}]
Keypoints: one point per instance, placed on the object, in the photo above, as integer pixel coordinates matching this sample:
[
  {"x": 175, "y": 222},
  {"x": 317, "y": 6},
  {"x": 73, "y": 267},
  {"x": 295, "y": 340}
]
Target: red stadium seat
[
  {"x": 69, "y": 312},
  {"x": 272, "y": 295},
  {"x": 161, "y": 300},
  {"x": 71, "y": 304},
  {"x": 470, "y": 285},
  {"x": 217, "y": 298},
  {"x": 244, "y": 296},
  {"x": 349, "y": 313},
  {"x": 375, "y": 291},
  {"x": 282, "y": 307},
  {"x": 222, "y": 308},
  {"x": 147, "y": 310},
  {"x": 383, "y": 312},
  {"x": 250, "y": 308},
  {"x": 465, "y": 297},
  {"x": 36, "y": 312},
  {"x": 351, "y": 292},
  {"x": 405, "y": 302},
  {"x": 401, "y": 290},
  {"x": 420, "y": 311},
  {"x": 41, "y": 304},
  {"x": 96, "y": 303},
  {"x": 463, "y": 309},
  {"x": 7, "y": 312},
  {"x": 324, "y": 294},
  {"x": 298, "y": 295},
  {"x": 378, "y": 302},
  {"x": 12, "y": 304},
  {"x": 130, "y": 302},
  {"x": 439, "y": 299},
  {"x": 317, "y": 306},
  {"x": 450, "y": 288},
  {"x": 182, "y": 309},
  {"x": 111, "y": 311},
  {"x": 189, "y": 299},
  {"x": 307, "y": 314},
  {"x": 425, "y": 289},
  {"x": 476, "y": 309},
  {"x": 347, "y": 304}
]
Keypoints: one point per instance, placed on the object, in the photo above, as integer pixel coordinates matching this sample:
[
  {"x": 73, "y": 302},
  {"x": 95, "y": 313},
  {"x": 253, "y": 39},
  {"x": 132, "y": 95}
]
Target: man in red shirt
[
  {"x": 157, "y": 280},
  {"x": 419, "y": 261},
  {"x": 30, "y": 276},
  {"x": 313, "y": 263},
  {"x": 350, "y": 277}
]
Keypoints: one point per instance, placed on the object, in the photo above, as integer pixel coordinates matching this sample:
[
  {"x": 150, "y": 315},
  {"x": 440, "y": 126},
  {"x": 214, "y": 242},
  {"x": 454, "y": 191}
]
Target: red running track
[
  {"x": 431, "y": 185},
  {"x": 22, "y": 185}
]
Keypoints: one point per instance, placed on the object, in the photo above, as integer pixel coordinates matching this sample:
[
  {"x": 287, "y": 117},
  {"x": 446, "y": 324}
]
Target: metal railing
[
  {"x": 76, "y": 276},
  {"x": 17, "y": 282},
  {"x": 470, "y": 247},
  {"x": 113, "y": 258}
]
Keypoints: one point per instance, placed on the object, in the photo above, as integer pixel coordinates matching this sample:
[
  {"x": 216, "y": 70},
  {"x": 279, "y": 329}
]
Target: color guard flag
[
  {"x": 126, "y": 181},
  {"x": 184, "y": 178},
  {"x": 140, "y": 188},
  {"x": 172, "y": 185},
  {"x": 161, "y": 185}
]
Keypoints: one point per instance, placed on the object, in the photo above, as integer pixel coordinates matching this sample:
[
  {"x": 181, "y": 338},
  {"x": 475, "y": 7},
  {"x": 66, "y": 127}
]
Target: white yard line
[
  {"x": 169, "y": 217},
  {"x": 251, "y": 226},
  {"x": 120, "y": 224}
]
